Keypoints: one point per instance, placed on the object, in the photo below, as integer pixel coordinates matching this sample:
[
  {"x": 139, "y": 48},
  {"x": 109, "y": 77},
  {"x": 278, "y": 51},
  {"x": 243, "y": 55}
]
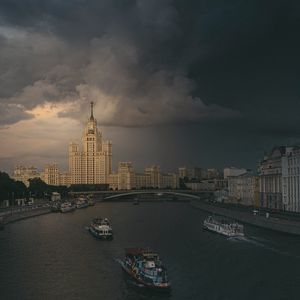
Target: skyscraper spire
[{"x": 92, "y": 108}]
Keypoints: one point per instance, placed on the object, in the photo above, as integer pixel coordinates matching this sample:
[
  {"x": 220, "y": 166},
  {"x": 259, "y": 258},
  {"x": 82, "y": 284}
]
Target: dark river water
[{"x": 54, "y": 257}]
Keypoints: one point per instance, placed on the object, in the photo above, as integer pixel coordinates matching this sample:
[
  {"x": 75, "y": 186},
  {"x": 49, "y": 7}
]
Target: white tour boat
[
  {"x": 222, "y": 226},
  {"x": 101, "y": 229}
]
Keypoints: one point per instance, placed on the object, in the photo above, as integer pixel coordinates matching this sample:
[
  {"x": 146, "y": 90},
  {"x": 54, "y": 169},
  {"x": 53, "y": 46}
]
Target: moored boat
[
  {"x": 67, "y": 207},
  {"x": 223, "y": 226},
  {"x": 146, "y": 268},
  {"x": 81, "y": 203},
  {"x": 55, "y": 206},
  {"x": 91, "y": 202},
  {"x": 101, "y": 229}
]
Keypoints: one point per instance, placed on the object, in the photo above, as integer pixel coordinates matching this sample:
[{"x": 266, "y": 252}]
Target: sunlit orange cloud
[{"x": 41, "y": 139}]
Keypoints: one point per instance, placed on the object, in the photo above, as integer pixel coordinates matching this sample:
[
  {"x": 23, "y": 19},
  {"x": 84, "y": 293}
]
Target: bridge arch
[{"x": 159, "y": 193}]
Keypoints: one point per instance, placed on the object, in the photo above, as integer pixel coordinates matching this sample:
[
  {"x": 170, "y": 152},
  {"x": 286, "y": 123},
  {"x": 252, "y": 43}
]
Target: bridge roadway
[{"x": 114, "y": 195}]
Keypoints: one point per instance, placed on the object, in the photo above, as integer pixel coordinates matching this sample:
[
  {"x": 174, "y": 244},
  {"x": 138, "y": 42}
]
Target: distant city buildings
[
  {"x": 232, "y": 171},
  {"x": 126, "y": 176},
  {"x": 24, "y": 174},
  {"x": 53, "y": 176},
  {"x": 191, "y": 173},
  {"x": 127, "y": 179},
  {"x": 276, "y": 186}
]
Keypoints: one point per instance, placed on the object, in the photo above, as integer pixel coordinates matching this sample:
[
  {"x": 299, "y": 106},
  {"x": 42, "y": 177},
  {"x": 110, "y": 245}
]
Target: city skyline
[{"x": 209, "y": 85}]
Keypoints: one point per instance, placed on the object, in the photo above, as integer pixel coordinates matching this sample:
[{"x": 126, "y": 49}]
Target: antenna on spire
[{"x": 92, "y": 108}]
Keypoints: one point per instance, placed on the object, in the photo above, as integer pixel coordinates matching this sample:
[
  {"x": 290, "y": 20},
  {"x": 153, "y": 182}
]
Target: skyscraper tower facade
[{"x": 90, "y": 163}]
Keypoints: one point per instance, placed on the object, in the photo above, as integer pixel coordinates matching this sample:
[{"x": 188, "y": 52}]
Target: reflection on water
[{"x": 54, "y": 256}]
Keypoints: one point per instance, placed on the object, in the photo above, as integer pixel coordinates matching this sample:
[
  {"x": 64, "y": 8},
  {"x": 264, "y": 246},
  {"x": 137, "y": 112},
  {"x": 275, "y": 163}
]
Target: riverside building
[
  {"x": 244, "y": 189},
  {"x": 270, "y": 179},
  {"x": 291, "y": 179},
  {"x": 90, "y": 162}
]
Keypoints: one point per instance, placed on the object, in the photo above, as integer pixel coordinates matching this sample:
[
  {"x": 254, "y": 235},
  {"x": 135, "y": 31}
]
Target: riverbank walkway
[
  {"x": 273, "y": 223},
  {"x": 17, "y": 213}
]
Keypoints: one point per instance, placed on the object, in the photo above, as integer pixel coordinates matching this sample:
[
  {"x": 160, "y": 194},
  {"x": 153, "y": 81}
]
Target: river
[{"x": 54, "y": 257}]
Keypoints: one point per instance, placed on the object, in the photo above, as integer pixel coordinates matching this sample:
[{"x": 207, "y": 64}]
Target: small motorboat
[
  {"x": 67, "y": 207},
  {"x": 55, "y": 207},
  {"x": 81, "y": 203}
]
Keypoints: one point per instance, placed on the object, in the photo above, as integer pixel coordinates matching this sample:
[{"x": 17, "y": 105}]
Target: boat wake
[{"x": 263, "y": 243}]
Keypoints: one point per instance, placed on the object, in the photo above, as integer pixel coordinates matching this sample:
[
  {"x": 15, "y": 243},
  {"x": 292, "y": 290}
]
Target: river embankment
[
  {"x": 272, "y": 223},
  {"x": 23, "y": 213}
]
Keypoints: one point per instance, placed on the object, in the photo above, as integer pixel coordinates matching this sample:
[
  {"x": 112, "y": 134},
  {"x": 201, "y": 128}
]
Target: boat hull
[
  {"x": 107, "y": 237},
  {"x": 223, "y": 232},
  {"x": 66, "y": 210},
  {"x": 82, "y": 206}
]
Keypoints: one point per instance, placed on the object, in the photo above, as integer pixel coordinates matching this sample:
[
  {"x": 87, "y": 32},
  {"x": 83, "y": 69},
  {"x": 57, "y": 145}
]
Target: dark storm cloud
[
  {"x": 231, "y": 66},
  {"x": 10, "y": 114},
  {"x": 120, "y": 54}
]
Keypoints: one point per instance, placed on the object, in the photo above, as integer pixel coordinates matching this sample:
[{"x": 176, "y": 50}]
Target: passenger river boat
[
  {"x": 146, "y": 268},
  {"x": 55, "y": 206},
  {"x": 223, "y": 226},
  {"x": 101, "y": 229}
]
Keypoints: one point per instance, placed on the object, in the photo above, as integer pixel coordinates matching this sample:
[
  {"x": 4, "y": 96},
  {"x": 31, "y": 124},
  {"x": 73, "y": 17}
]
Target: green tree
[{"x": 11, "y": 189}]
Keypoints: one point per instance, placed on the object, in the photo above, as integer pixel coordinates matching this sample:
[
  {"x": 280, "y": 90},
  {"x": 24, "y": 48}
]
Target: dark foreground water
[{"x": 54, "y": 257}]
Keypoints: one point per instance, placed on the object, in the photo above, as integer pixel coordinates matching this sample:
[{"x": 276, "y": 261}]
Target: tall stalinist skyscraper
[{"x": 92, "y": 162}]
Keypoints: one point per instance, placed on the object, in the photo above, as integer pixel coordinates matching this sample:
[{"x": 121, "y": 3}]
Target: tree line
[{"x": 11, "y": 189}]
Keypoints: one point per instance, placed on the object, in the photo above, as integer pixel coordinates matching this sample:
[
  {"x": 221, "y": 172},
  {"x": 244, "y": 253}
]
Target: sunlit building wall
[
  {"x": 126, "y": 176},
  {"x": 142, "y": 181},
  {"x": 51, "y": 174},
  {"x": 155, "y": 176},
  {"x": 23, "y": 173},
  {"x": 113, "y": 181},
  {"x": 170, "y": 181},
  {"x": 90, "y": 162}
]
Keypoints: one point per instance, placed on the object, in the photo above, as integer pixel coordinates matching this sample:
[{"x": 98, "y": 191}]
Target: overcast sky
[{"x": 195, "y": 83}]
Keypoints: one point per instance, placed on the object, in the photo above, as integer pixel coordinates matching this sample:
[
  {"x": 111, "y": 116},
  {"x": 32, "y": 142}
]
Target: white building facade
[
  {"x": 291, "y": 180},
  {"x": 270, "y": 179}
]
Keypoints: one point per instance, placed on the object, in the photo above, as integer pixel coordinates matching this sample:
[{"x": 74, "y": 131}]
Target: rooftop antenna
[{"x": 92, "y": 107}]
